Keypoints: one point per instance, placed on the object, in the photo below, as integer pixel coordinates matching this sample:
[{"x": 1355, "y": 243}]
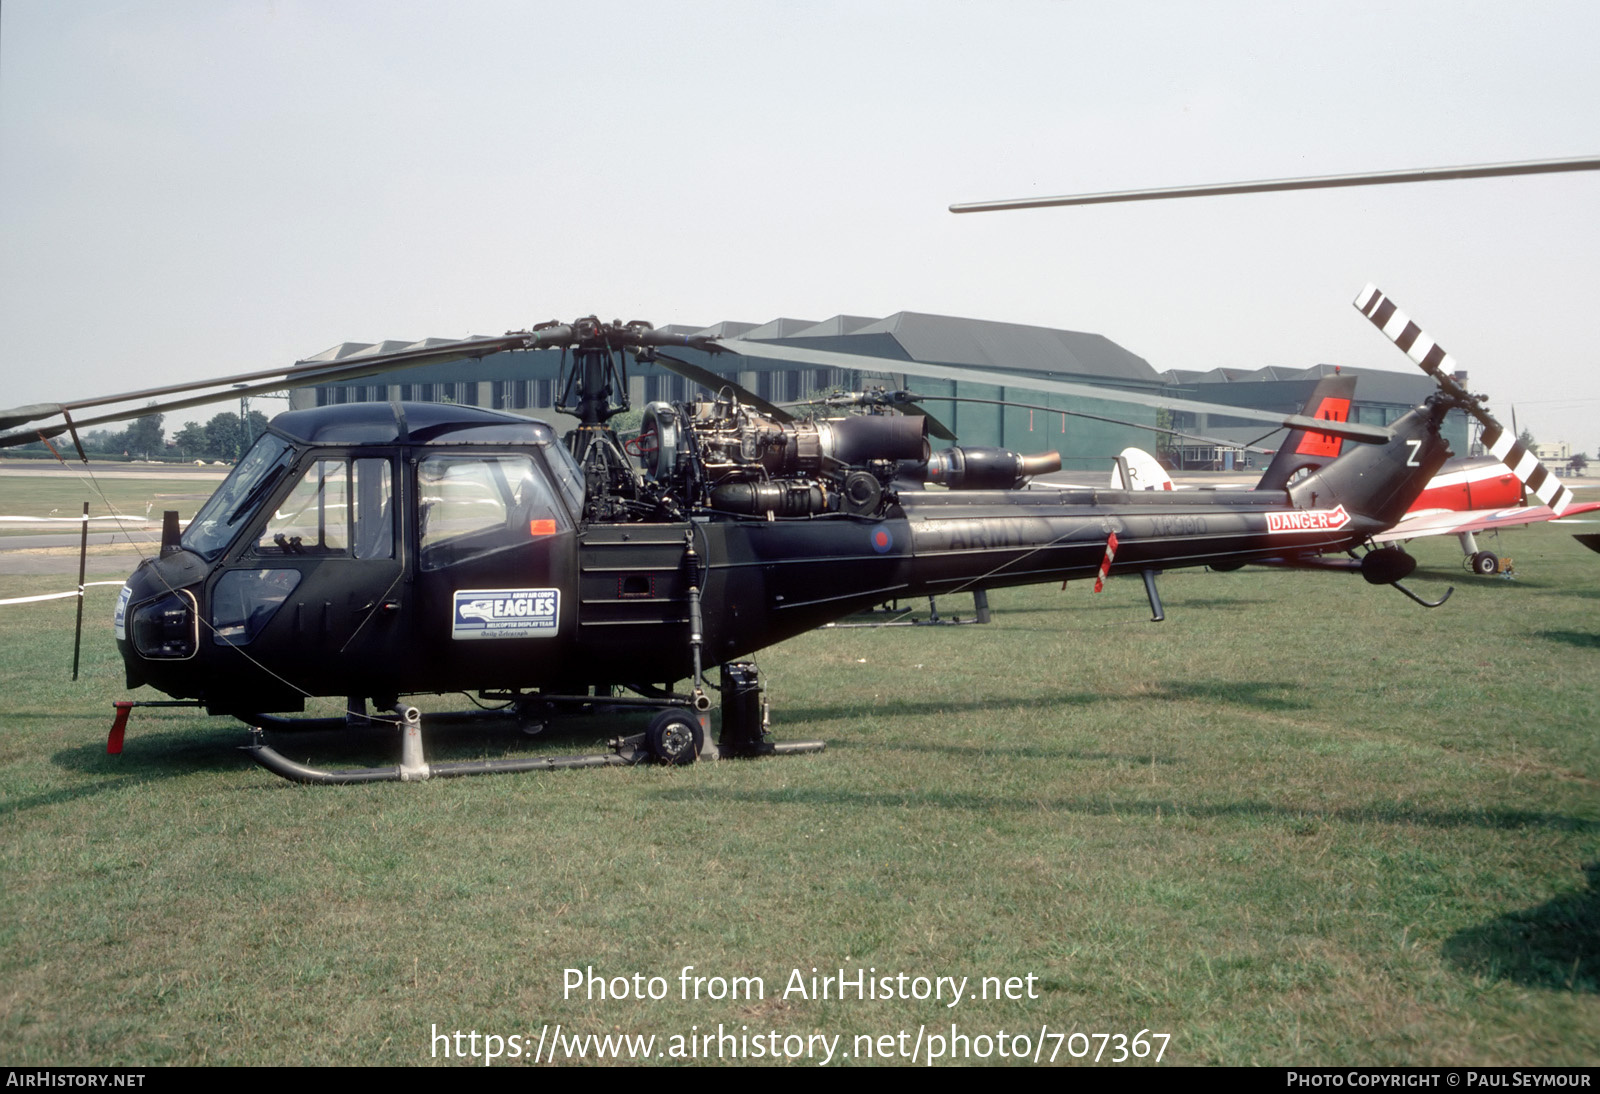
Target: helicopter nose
[{"x": 165, "y": 629}]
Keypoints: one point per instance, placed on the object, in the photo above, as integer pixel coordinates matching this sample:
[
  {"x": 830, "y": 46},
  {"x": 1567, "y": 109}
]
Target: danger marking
[{"x": 1308, "y": 520}]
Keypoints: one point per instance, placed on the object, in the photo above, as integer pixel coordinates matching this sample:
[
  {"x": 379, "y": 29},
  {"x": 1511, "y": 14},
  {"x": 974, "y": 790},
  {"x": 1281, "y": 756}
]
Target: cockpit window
[
  {"x": 237, "y": 499},
  {"x": 315, "y": 517},
  {"x": 339, "y": 507},
  {"x": 470, "y": 506}
]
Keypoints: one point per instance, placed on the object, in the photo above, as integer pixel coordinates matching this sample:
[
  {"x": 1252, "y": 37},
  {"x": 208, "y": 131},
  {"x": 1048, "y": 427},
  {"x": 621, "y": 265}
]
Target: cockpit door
[
  {"x": 495, "y": 570},
  {"x": 315, "y": 596}
]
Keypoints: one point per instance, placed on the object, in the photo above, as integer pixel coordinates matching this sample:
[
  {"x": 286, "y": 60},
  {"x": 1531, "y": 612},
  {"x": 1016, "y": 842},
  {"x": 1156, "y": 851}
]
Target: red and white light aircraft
[{"x": 1473, "y": 495}]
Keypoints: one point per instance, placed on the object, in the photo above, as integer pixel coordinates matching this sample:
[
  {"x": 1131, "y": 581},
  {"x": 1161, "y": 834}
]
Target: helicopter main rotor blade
[
  {"x": 354, "y": 366},
  {"x": 33, "y": 412},
  {"x": 28, "y": 436},
  {"x": 1201, "y": 437},
  {"x": 1367, "y": 434},
  {"x": 300, "y": 374},
  {"x": 1431, "y": 357},
  {"x": 657, "y": 337},
  {"x": 907, "y": 401},
  {"x": 1314, "y": 182},
  {"x": 712, "y": 382}
]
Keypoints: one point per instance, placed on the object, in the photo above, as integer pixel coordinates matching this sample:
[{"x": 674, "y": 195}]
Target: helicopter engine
[
  {"x": 982, "y": 468},
  {"x": 738, "y": 460}
]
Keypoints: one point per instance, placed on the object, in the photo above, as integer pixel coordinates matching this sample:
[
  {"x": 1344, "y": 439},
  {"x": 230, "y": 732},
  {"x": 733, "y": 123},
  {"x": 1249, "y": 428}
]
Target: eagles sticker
[{"x": 505, "y": 613}]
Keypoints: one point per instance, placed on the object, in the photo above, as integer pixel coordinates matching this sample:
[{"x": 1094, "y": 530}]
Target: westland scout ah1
[{"x": 375, "y": 550}]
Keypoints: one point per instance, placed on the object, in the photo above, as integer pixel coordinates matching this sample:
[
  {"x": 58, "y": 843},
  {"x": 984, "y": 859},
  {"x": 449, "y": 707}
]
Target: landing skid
[
  {"x": 413, "y": 768},
  {"x": 679, "y": 732}
]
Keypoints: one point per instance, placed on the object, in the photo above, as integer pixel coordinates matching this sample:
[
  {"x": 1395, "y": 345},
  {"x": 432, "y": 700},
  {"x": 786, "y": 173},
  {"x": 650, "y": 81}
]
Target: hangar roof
[
  {"x": 1372, "y": 385},
  {"x": 906, "y": 335},
  {"x": 952, "y": 340}
]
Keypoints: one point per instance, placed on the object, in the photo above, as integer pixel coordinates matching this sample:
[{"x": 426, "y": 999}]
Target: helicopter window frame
[
  {"x": 343, "y": 503},
  {"x": 372, "y": 509},
  {"x": 243, "y": 602},
  {"x": 503, "y": 500},
  {"x": 218, "y": 520},
  {"x": 300, "y": 524},
  {"x": 566, "y": 473}
]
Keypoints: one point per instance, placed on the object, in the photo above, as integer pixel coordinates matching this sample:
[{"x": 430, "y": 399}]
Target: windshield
[{"x": 213, "y": 528}]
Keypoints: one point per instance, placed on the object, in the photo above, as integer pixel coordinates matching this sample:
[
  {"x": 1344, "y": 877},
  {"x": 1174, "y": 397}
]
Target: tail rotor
[{"x": 1400, "y": 329}]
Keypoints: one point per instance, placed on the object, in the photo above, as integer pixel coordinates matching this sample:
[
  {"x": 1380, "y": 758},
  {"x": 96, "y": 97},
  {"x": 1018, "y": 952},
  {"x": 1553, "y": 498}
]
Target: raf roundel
[{"x": 882, "y": 540}]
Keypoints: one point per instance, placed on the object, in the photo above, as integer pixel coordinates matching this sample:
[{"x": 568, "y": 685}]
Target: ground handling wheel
[{"x": 674, "y": 737}]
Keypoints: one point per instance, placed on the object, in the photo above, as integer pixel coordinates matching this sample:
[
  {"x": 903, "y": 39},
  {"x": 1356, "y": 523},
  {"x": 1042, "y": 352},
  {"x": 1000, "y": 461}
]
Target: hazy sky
[{"x": 189, "y": 188}]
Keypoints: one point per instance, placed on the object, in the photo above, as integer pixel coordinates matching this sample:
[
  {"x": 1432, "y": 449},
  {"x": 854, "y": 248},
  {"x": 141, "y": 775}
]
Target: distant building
[
  {"x": 1381, "y": 398},
  {"x": 526, "y": 381}
]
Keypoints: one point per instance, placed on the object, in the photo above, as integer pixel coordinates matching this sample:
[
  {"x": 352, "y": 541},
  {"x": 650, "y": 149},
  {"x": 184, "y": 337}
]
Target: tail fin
[
  {"x": 1303, "y": 450},
  {"x": 1136, "y": 469},
  {"x": 1378, "y": 483}
]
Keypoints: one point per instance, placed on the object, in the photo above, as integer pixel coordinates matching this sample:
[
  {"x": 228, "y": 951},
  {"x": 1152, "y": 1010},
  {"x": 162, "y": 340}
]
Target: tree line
[{"x": 225, "y": 437}]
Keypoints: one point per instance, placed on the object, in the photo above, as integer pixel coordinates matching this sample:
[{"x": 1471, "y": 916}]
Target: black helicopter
[{"x": 373, "y": 551}]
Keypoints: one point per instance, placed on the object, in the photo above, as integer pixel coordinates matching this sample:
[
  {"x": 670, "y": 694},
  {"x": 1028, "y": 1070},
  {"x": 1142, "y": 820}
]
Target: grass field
[
  {"x": 112, "y": 492},
  {"x": 1303, "y": 821}
]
